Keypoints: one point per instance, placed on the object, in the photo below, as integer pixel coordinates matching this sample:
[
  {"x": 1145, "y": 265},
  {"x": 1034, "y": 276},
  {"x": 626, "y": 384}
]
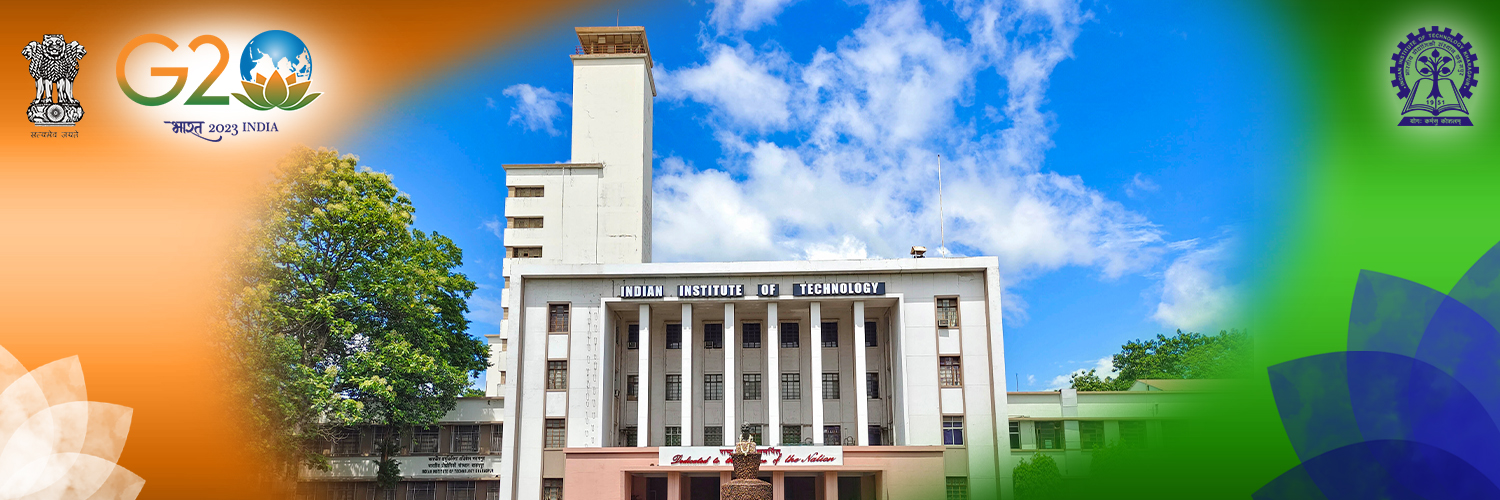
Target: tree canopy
[
  {"x": 340, "y": 313},
  {"x": 1038, "y": 478},
  {"x": 1182, "y": 356}
]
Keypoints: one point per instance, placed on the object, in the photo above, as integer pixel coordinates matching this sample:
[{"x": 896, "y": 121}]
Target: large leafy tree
[
  {"x": 340, "y": 313},
  {"x": 1037, "y": 478},
  {"x": 1181, "y": 356}
]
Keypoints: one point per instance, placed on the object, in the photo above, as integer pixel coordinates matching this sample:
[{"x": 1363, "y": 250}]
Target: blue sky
[{"x": 1105, "y": 151}]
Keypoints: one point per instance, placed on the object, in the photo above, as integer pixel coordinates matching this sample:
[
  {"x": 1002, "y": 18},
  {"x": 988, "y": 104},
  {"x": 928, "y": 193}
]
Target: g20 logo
[{"x": 275, "y": 71}]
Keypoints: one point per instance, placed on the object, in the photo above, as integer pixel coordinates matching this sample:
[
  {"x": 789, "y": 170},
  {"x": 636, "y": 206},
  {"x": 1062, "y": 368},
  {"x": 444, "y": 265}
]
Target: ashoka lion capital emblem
[{"x": 54, "y": 65}]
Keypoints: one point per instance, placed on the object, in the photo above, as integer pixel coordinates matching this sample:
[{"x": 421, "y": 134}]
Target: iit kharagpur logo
[
  {"x": 276, "y": 70},
  {"x": 1434, "y": 72}
]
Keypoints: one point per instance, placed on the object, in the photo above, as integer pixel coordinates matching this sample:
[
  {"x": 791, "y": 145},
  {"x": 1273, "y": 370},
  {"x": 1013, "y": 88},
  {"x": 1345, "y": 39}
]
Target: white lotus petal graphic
[{"x": 55, "y": 444}]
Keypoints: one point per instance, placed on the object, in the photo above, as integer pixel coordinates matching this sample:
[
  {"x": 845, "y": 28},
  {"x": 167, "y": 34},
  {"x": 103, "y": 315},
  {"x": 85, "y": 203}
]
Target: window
[
  {"x": 830, "y": 386},
  {"x": 424, "y": 440},
  {"x": 552, "y": 489},
  {"x": 632, "y": 336},
  {"x": 950, "y": 373},
  {"x": 420, "y": 490},
  {"x": 958, "y": 488},
  {"x": 523, "y": 222},
  {"x": 713, "y": 387},
  {"x": 831, "y": 435},
  {"x": 791, "y": 386},
  {"x": 556, "y": 434},
  {"x": 713, "y": 336},
  {"x": 382, "y": 433},
  {"x": 674, "y": 387},
  {"x": 1091, "y": 434},
  {"x": 346, "y": 442},
  {"x": 344, "y": 491},
  {"x": 632, "y": 384},
  {"x": 557, "y": 318},
  {"x": 557, "y": 375},
  {"x": 953, "y": 431},
  {"x": 790, "y": 335},
  {"x": 525, "y": 191},
  {"x": 872, "y": 385},
  {"x": 627, "y": 436},
  {"x": 871, "y": 336},
  {"x": 674, "y": 336},
  {"x": 830, "y": 334},
  {"x": 1049, "y": 435},
  {"x": 713, "y": 435},
  {"x": 525, "y": 252},
  {"x": 1133, "y": 434},
  {"x": 751, "y": 386},
  {"x": 388, "y": 493},
  {"x": 873, "y": 433},
  {"x": 947, "y": 312},
  {"x": 673, "y": 436},
  {"x": 497, "y": 438},
  {"x": 755, "y": 434},
  {"x": 505, "y": 343},
  {"x": 460, "y": 490},
  {"x": 1015, "y": 435},
  {"x": 750, "y": 335},
  {"x": 791, "y": 434},
  {"x": 466, "y": 439}
]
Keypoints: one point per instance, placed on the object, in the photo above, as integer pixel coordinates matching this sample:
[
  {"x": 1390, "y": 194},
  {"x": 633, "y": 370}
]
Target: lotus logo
[
  {"x": 54, "y": 442},
  {"x": 276, "y": 69},
  {"x": 276, "y": 92}
]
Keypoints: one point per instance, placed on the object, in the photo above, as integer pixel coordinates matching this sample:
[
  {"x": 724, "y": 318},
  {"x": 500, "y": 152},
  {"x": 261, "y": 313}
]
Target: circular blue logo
[{"x": 275, "y": 51}]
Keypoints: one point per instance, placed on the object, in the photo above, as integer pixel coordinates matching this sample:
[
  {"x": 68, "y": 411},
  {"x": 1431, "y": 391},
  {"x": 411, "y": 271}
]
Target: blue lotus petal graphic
[{"x": 1409, "y": 411}]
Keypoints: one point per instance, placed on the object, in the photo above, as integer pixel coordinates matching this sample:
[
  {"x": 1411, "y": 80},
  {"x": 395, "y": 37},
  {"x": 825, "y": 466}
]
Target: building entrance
[
  {"x": 800, "y": 488},
  {"x": 703, "y": 488}
]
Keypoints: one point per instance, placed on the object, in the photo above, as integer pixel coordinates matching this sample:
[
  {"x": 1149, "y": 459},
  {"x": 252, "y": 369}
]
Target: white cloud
[
  {"x": 849, "y": 248},
  {"x": 1139, "y": 186},
  {"x": 494, "y": 225},
  {"x": 745, "y": 15},
  {"x": 536, "y": 107},
  {"x": 485, "y": 308},
  {"x": 737, "y": 85},
  {"x": 1103, "y": 367},
  {"x": 1194, "y": 294}
]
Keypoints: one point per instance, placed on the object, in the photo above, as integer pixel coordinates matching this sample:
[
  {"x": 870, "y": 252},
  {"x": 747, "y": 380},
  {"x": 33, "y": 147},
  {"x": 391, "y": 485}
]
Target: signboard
[
  {"x": 699, "y": 291},
  {"x": 642, "y": 291},
  {"x": 450, "y": 466},
  {"x": 718, "y": 456},
  {"x": 822, "y": 289},
  {"x": 768, "y": 290}
]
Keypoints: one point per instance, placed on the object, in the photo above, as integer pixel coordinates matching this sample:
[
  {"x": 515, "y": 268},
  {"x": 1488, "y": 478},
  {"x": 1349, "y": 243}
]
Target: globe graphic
[{"x": 275, "y": 51}]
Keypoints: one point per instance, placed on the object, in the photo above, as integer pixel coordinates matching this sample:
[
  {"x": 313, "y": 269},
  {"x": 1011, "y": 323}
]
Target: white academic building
[{"x": 615, "y": 377}]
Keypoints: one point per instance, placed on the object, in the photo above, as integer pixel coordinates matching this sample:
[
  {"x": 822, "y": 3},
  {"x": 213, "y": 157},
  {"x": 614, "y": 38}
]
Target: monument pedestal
[{"x": 746, "y": 484}]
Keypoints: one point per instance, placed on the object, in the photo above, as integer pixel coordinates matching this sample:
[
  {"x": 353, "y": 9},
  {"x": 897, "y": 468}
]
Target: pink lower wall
[{"x": 901, "y": 472}]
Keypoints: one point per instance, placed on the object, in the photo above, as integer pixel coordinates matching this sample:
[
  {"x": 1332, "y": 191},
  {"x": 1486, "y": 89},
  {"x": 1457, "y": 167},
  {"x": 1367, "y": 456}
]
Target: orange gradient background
[{"x": 111, "y": 243}]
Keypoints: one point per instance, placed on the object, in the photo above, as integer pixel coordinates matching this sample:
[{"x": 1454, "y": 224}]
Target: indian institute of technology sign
[{"x": 737, "y": 290}]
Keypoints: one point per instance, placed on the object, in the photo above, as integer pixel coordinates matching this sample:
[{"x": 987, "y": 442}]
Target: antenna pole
[{"x": 942, "y": 232}]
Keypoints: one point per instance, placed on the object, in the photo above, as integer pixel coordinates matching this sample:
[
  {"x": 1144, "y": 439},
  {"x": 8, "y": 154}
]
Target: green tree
[
  {"x": 1182, "y": 356},
  {"x": 1038, "y": 479},
  {"x": 340, "y": 313}
]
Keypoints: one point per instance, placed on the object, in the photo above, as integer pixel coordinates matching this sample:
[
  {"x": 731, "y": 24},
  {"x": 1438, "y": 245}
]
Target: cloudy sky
[{"x": 1104, "y": 151}]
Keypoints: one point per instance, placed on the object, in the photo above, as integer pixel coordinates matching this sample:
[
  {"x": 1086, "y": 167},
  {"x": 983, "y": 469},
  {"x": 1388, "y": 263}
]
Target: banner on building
[{"x": 769, "y": 455}]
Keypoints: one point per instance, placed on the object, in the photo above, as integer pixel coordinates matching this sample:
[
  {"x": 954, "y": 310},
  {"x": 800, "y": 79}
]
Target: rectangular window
[
  {"x": 713, "y": 336},
  {"x": 953, "y": 431},
  {"x": 556, "y": 435},
  {"x": 465, "y": 439},
  {"x": 346, "y": 442},
  {"x": 627, "y": 436},
  {"x": 751, "y": 386},
  {"x": 632, "y": 336},
  {"x": 526, "y": 191},
  {"x": 423, "y": 490},
  {"x": 674, "y": 387},
  {"x": 523, "y": 222},
  {"x": 632, "y": 384},
  {"x": 424, "y": 440},
  {"x": 958, "y": 488},
  {"x": 525, "y": 252},
  {"x": 830, "y": 334},
  {"x": 497, "y": 438},
  {"x": 713, "y": 435},
  {"x": 344, "y": 491},
  {"x": 383, "y": 433},
  {"x": 950, "y": 373},
  {"x": 460, "y": 490},
  {"x": 388, "y": 493},
  {"x": 947, "y": 312},
  {"x": 557, "y": 375},
  {"x": 1015, "y": 435},
  {"x": 872, "y": 384},
  {"x": 790, "y": 335},
  {"x": 791, "y": 434},
  {"x": 750, "y": 335},
  {"x": 505, "y": 343},
  {"x": 1091, "y": 434},
  {"x": 674, "y": 336},
  {"x": 873, "y": 433},
  {"x": 831, "y": 435},
  {"x": 557, "y": 318},
  {"x": 492, "y": 491},
  {"x": 1049, "y": 435},
  {"x": 830, "y": 386},
  {"x": 552, "y": 489},
  {"x": 791, "y": 386},
  {"x": 673, "y": 436},
  {"x": 713, "y": 387},
  {"x": 872, "y": 337},
  {"x": 1133, "y": 434},
  {"x": 755, "y": 434}
]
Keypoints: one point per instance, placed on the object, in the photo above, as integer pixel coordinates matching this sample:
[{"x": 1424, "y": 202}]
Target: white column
[
  {"x": 687, "y": 375},
  {"x": 815, "y": 342},
  {"x": 730, "y": 377},
  {"x": 643, "y": 396},
  {"x": 861, "y": 392},
  {"x": 772, "y": 345}
]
